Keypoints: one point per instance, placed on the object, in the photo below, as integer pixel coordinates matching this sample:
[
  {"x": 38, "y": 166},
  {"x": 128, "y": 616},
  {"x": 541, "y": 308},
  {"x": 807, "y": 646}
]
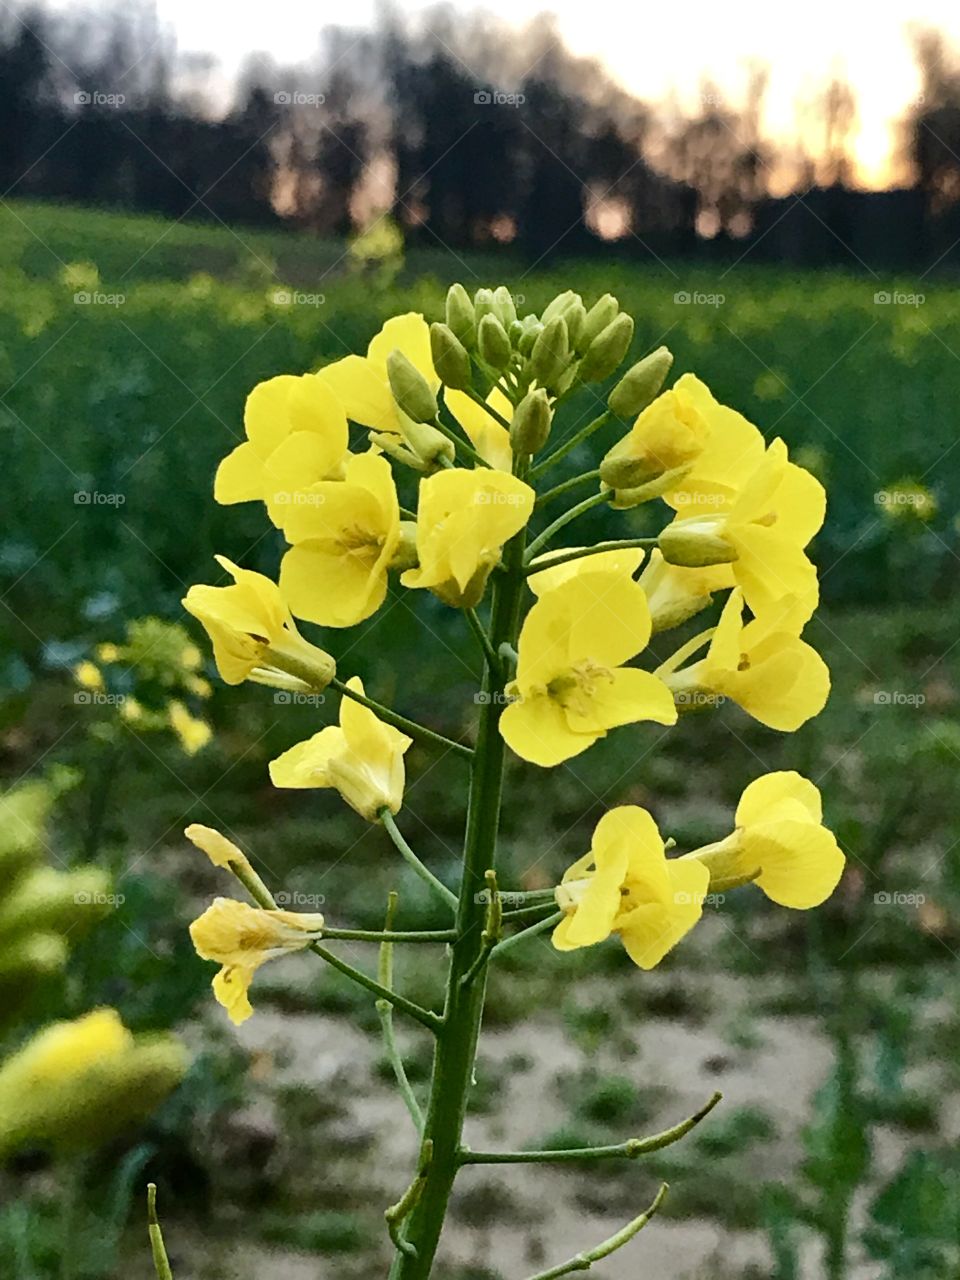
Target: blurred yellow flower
[
  {"x": 626, "y": 885},
  {"x": 296, "y": 434},
  {"x": 65, "y": 1050},
  {"x": 571, "y": 684},
  {"x": 762, "y": 665},
  {"x": 241, "y": 938},
  {"x": 194, "y": 734},
  {"x": 345, "y": 535},
  {"x": 463, "y": 520},
  {"x": 88, "y": 675},
  {"x": 362, "y": 758},
  {"x": 490, "y": 439}
]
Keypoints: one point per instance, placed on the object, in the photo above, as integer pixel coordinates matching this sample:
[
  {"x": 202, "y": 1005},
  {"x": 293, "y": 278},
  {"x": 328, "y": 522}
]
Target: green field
[{"x": 113, "y": 415}]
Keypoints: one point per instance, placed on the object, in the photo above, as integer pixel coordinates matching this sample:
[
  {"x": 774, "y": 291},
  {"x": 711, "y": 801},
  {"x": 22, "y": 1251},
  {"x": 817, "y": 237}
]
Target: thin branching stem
[
  {"x": 398, "y": 721},
  {"x": 422, "y": 870},
  {"x": 584, "y": 1261},
  {"x": 580, "y": 553}
]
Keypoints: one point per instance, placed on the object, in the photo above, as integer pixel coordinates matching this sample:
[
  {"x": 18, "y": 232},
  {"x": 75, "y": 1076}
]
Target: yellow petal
[
  {"x": 610, "y": 617},
  {"x": 800, "y": 862},
  {"x": 488, "y": 437},
  {"x": 239, "y": 476},
  {"x": 536, "y": 729},
  {"x": 231, "y": 987},
  {"x": 410, "y": 334},
  {"x": 764, "y": 797},
  {"x": 306, "y": 764},
  {"x": 783, "y": 690},
  {"x": 626, "y": 562},
  {"x": 266, "y": 415},
  {"x": 627, "y": 696},
  {"x": 649, "y": 932},
  {"x": 363, "y": 391},
  {"x": 327, "y": 587}
]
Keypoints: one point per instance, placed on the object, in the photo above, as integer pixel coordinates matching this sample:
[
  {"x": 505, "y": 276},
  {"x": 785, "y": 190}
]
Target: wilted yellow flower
[
  {"x": 296, "y": 434},
  {"x": 626, "y": 885},
  {"x": 780, "y": 843},
  {"x": 762, "y": 665},
  {"x": 362, "y": 758},
  {"x": 221, "y": 851},
  {"x": 241, "y": 938},
  {"x": 488, "y": 437},
  {"x": 571, "y": 684},
  {"x": 344, "y": 539},
  {"x": 88, "y": 675},
  {"x": 463, "y": 520},
  {"x": 675, "y": 594},
  {"x": 194, "y": 734},
  {"x": 762, "y": 532},
  {"x": 251, "y": 628}
]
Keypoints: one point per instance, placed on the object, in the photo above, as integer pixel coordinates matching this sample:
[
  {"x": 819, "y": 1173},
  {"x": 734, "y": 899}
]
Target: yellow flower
[
  {"x": 669, "y": 435},
  {"x": 762, "y": 665},
  {"x": 194, "y": 734},
  {"x": 626, "y": 885},
  {"x": 780, "y": 843},
  {"x": 625, "y": 561},
  {"x": 241, "y": 938},
  {"x": 296, "y": 434},
  {"x": 463, "y": 520},
  {"x": 108, "y": 653},
  {"x": 675, "y": 594},
  {"x": 251, "y": 628},
  {"x": 221, "y": 851},
  {"x": 66, "y": 1050},
  {"x": 731, "y": 452},
  {"x": 762, "y": 532},
  {"x": 571, "y": 685},
  {"x": 362, "y": 759},
  {"x": 488, "y": 437},
  {"x": 88, "y": 675},
  {"x": 360, "y": 383},
  {"x": 345, "y": 538},
  {"x": 191, "y": 658}
]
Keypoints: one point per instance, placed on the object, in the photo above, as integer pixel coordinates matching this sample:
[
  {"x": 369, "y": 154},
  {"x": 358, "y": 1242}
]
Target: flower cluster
[{"x": 416, "y": 467}]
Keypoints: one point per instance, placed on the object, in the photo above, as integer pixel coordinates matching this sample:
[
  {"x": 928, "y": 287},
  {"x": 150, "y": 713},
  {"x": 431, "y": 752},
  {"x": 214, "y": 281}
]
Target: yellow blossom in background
[
  {"x": 66, "y": 1049},
  {"x": 571, "y": 684},
  {"x": 362, "y": 758},
  {"x": 762, "y": 533},
  {"x": 108, "y": 653},
  {"x": 88, "y": 675},
  {"x": 250, "y": 627},
  {"x": 490, "y": 439},
  {"x": 762, "y": 665},
  {"x": 194, "y": 734},
  {"x": 626, "y": 885},
  {"x": 625, "y": 561},
  {"x": 296, "y": 434},
  {"x": 360, "y": 383},
  {"x": 241, "y": 938},
  {"x": 345, "y": 535},
  {"x": 675, "y": 594},
  {"x": 463, "y": 520},
  {"x": 780, "y": 843}
]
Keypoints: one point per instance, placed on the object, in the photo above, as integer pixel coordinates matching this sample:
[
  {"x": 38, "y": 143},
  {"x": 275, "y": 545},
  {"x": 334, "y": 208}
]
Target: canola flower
[{"x": 447, "y": 480}]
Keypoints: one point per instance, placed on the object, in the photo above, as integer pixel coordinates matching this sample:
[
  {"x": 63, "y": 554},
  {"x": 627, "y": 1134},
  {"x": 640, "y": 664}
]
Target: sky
[{"x": 653, "y": 50}]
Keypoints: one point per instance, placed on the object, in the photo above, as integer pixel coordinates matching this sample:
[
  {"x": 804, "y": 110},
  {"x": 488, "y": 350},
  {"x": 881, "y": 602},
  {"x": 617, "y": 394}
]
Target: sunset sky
[{"x": 653, "y": 50}]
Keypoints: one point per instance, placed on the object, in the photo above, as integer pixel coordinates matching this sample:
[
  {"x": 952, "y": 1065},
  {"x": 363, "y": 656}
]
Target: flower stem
[
  {"x": 385, "y": 1013},
  {"x": 423, "y": 871},
  {"x": 584, "y": 1261},
  {"x": 542, "y": 539},
  {"x": 578, "y": 553},
  {"x": 401, "y": 722},
  {"x": 477, "y": 398},
  {"x": 561, "y": 452},
  {"x": 478, "y": 629},
  {"x": 531, "y": 931},
  {"x": 458, "y": 442},
  {"x": 565, "y": 487},
  {"x": 160, "y": 1263},
  {"x": 394, "y": 935}
]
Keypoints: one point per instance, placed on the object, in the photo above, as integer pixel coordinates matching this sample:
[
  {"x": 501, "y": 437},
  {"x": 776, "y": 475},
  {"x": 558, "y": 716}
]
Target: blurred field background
[{"x": 128, "y": 343}]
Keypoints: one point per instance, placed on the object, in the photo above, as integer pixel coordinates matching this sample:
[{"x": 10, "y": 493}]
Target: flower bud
[
  {"x": 503, "y": 306},
  {"x": 551, "y": 353},
  {"x": 450, "y": 357},
  {"x": 575, "y": 316},
  {"x": 607, "y": 350},
  {"x": 602, "y": 313},
  {"x": 483, "y": 304},
  {"x": 531, "y": 422},
  {"x": 532, "y": 328},
  {"x": 640, "y": 384},
  {"x": 461, "y": 318},
  {"x": 493, "y": 342},
  {"x": 405, "y": 556},
  {"x": 695, "y": 543},
  {"x": 410, "y": 388},
  {"x": 559, "y": 305}
]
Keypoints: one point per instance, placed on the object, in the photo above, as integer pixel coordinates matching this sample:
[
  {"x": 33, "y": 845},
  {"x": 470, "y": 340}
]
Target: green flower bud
[
  {"x": 624, "y": 472},
  {"x": 603, "y": 312},
  {"x": 405, "y": 556},
  {"x": 493, "y": 343},
  {"x": 532, "y": 328},
  {"x": 551, "y": 353},
  {"x": 450, "y": 358},
  {"x": 575, "y": 316},
  {"x": 483, "y": 304},
  {"x": 640, "y": 385},
  {"x": 515, "y": 332},
  {"x": 460, "y": 314},
  {"x": 504, "y": 308},
  {"x": 695, "y": 543},
  {"x": 410, "y": 388},
  {"x": 531, "y": 423},
  {"x": 559, "y": 305},
  {"x": 607, "y": 350}
]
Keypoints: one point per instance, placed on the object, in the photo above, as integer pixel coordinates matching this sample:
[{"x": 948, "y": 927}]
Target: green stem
[
  {"x": 401, "y": 722},
  {"x": 458, "y": 442},
  {"x": 530, "y": 932},
  {"x": 457, "y": 1040},
  {"x": 584, "y": 1261},
  {"x": 478, "y": 629},
  {"x": 542, "y": 539},
  {"x": 385, "y": 1013},
  {"x": 565, "y": 487},
  {"x": 160, "y": 1263},
  {"x": 394, "y": 935},
  {"x": 561, "y": 452},
  {"x": 423, "y": 871},
  {"x": 478, "y": 399},
  {"x": 628, "y": 1150},
  {"x": 578, "y": 553}
]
